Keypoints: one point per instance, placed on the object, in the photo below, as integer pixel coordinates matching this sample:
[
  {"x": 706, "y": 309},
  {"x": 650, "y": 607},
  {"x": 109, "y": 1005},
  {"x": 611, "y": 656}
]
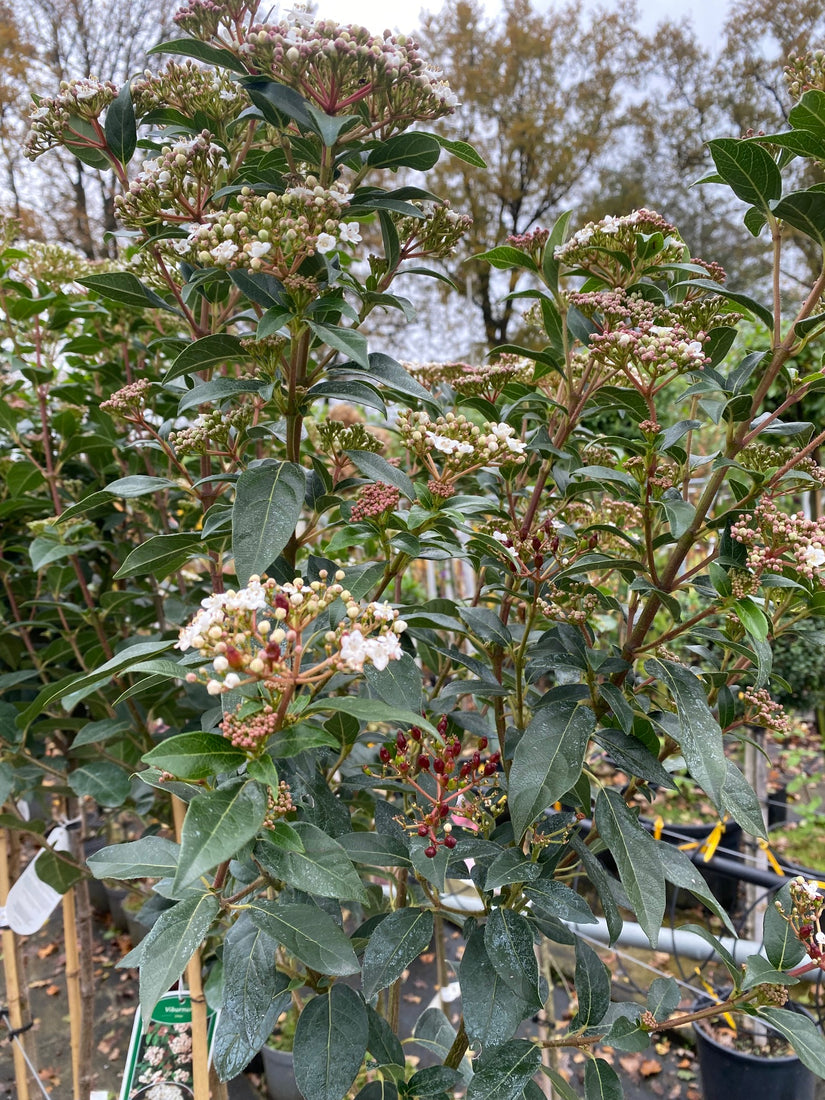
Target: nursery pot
[
  {"x": 280, "y": 1075},
  {"x": 729, "y": 1074}
]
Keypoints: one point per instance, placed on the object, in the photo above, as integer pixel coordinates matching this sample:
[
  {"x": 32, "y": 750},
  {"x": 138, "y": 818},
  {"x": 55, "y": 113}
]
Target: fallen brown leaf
[{"x": 650, "y": 1067}]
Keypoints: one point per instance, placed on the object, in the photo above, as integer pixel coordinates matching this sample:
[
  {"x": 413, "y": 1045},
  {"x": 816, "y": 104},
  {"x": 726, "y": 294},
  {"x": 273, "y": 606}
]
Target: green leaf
[
  {"x": 300, "y": 738},
  {"x": 378, "y": 469},
  {"x": 330, "y": 1043},
  {"x": 346, "y": 340},
  {"x": 505, "y": 257},
  {"x": 201, "y": 51},
  {"x": 502, "y": 1072},
  {"x": 216, "y": 825},
  {"x": 603, "y": 884},
  {"x": 601, "y": 1082},
  {"x": 461, "y": 150},
  {"x": 322, "y": 867},
  {"x": 410, "y": 150},
  {"x": 681, "y": 871},
  {"x": 396, "y": 942},
  {"x": 748, "y": 169},
  {"x": 351, "y": 392},
  {"x": 741, "y": 802},
  {"x": 548, "y": 760},
  {"x": 508, "y": 938},
  {"x": 560, "y": 1085},
  {"x": 782, "y": 946},
  {"x": 161, "y": 555},
  {"x": 637, "y": 858},
  {"x": 195, "y": 755},
  {"x": 170, "y": 944},
  {"x": 125, "y": 289},
  {"x": 805, "y": 211},
  {"x": 512, "y": 865},
  {"x": 382, "y": 1042},
  {"x": 149, "y": 857},
  {"x": 370, "y": 710},
  {"x": 120, "y": 128},
  {"x": 56, "y": 871},
  {"x": 802, "y": 1033},
  {"x": 809, "y": 113},
  {"x": 592, "y": 982},
  {"x": 101, "y": 780},
  {"x": 758, "y": 971},
  {"x": 399, "y": 682},
  {"x": 663, "y": 998},
  {"x": 700, "y": 736},
  {"x": 268, "y": 503},
  {"x": 375, "y": 850},
  {"x": 492, "y": 1009},
  {"x": 558, "y": 900},
  {"x": 720, "y": 949},
  {"x": 255, "y": 991},
  {"x": 220, "y": 347},
  {"x": 309, "y": 934},
  {"x": 217, "y": 391}
]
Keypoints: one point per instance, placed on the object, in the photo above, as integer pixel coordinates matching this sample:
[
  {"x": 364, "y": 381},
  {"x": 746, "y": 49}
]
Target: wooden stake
[
  {"x": 12, "y": 975},
  {"x": 194, "y": 979},
  {"x": 73, "y": 986}
]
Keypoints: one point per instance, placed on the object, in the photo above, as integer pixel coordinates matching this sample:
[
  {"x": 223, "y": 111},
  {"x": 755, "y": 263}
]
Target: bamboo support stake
[
  {"x": 12, "y": 976},
  {"x": 73, "y": 986},
  {"x": 194, "y": 979}
]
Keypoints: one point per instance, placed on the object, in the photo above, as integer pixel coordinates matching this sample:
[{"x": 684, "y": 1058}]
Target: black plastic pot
[
  {"x": 280, "y": 1075},
  {"x": 729, "y": 1074}
]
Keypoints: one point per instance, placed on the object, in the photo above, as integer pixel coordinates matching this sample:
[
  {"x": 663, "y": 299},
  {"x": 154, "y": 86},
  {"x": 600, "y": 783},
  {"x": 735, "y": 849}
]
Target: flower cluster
[
  {"x": 454, "y": 792},
  {"x": 55, "y": 118},
  {"x": 249, "y": 726},
  {"x": 435, "y": 234},
  {"x": 805, "y": 73},
  {"x": 190, "y": 89},
  {"x": 278, "y": 805},
  {"x": 272, "y": 232},
  {"x": 460, "y": 445},
  {"x": 590, "y": 247},
  {"x": 648, "y": 354},
  {"x": 762, "y": 710},
  {"x": 128, "y": 400},
  {"x": 804, "y": 918},
  {"x": 213, "y": 429},
  {"x": 485, "y": 379},
  {"x": 336, "y": 437},
  {"x": 205, "y": 18},
  {"x": 176, "y": 186},
  {"x": 336, "y": 67},
  {"x": 255, "y": 635},
  {"x": 775, "y": 539},
  {"x": 375, "y": 500}
]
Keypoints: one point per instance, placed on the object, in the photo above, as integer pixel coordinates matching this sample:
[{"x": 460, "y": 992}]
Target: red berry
[
  {"x": 430, "y": 852},
  {"x": 423, "y": 830},
  {"x": 401, "y": 741},
  {"x": 489, "y": 768},
  {"x": 438, "y": 766},
  {"x": 495, "y": 757},
  {"x": 384, "y": 754},
  {"x": 443, "y": 810},
  {"x": 424, "y": 762},
  {"x": 483, "y": 743},
  {"x": 466, "y": 769},
  {"x": 442, "y": 724},
  {"x": 450, "y": 841},
  {"x": 415, "y": 733},
  {"x": 476, "y": 759}
]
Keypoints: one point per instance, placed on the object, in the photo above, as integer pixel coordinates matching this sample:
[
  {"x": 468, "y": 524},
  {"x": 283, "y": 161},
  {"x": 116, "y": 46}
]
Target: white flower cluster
[
  {"x": 214, "y": 609},
  {"x": 379, "y": 651}
]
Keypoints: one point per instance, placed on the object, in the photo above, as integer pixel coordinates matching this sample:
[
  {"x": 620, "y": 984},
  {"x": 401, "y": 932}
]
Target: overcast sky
[{"x": 707, "y": 15}]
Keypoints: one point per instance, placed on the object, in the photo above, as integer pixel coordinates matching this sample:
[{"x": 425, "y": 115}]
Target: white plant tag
[{"x": 31, "y": 901}]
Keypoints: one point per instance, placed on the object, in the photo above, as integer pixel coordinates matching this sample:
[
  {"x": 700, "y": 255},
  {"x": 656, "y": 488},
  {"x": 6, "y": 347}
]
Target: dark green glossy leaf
[
  {"x": 492, "y": 1009},
  {"x": 330, "y": 1043},
  {"x": 508, "y": 938},
  {"x": 782, "y": 945},
  {"x": 161, "y": 555},
  {"x": 803, "y": 1035},
  {"x": 195, "y": 755},
  {"x": 149, "y": 857},
  {"x": 255, "y": 991},
  {"x": 396, "y": 942},
  {"x": 268, "y": 503},
  {"x": 309, "y": 934},
  {"x": 120, "y": 128},
  {"x": 411, "y": 150},
  {"x": 125, "y": 289},
  {"x": 346, "y": 340},
  {"x": 201, "y": 51},
  {"x": 375, "y": 850},
  {"x": 663, "y": 998},
  {"x": 548, "y": 760},
  {"x": 321, "y": 867},
  {"x": 592, "y": 981},
  {"x": 805, "y": 211},
  {"x": 758, "y": 971},
  {"x": 170, "y": 944},
  {"x": 378, "y": 469},
  {"x": 601, "y": 1082},
  {"x": 748, "y": 169},
  {"x": 502, "y": 1072},
  {"x": 217, "y": 824},
  {"x": 382, "y": 1042},
  {"x": 220, "y": 347},
  {"x": 637, "y": 858},
  {"x": 101, "y": 780}
]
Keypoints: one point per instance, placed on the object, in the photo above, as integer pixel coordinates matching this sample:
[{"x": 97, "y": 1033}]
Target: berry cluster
[{"x": 457, "y": 791}]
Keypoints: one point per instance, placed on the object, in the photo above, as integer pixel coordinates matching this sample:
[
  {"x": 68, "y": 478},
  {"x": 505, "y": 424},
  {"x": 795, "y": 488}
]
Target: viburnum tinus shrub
[{"x": 611, "y": 619}]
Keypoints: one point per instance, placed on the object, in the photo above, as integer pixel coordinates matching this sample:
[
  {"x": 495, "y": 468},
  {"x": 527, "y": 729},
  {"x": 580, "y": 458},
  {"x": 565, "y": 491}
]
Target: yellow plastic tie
[
  {"x": 658, "y": 825},
  {"x": 712, "y": 842},
  {"x": 766, "y": 848}
]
